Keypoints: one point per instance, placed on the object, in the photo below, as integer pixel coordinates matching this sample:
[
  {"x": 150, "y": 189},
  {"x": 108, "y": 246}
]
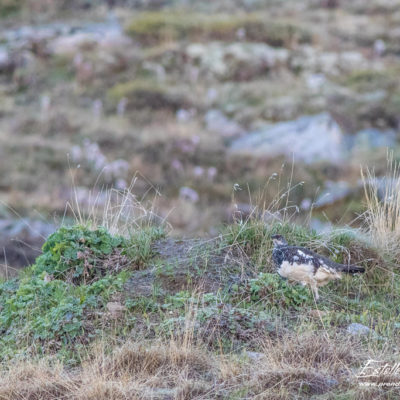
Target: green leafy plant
[
  {"x": 52, "y": 313},
  {"x": 50, "y": 307},
  {"x": 270, "y": 289},
  {"x": 78, "y": 254}
]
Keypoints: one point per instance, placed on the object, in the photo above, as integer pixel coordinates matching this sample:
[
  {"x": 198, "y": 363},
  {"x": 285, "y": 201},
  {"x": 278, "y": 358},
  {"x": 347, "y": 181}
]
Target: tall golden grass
[
  {"x": 121, "y": 212},
  {"x": 382, "y": 215},
  {"x": 296, "y": 365}
]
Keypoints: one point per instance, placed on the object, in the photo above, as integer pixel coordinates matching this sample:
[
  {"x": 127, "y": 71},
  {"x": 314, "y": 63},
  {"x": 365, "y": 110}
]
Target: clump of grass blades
[
  {"x": 296, "y": 364},
  {"x": 382, "y": 217}
]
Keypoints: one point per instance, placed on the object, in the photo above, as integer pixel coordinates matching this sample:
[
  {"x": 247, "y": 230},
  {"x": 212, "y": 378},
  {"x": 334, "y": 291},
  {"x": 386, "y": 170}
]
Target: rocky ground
[{"x": 198, "y": 104}]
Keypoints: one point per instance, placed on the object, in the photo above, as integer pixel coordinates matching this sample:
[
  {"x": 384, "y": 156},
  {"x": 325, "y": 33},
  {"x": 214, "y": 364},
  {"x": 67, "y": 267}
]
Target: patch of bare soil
[{"x": 199, "y": 264}]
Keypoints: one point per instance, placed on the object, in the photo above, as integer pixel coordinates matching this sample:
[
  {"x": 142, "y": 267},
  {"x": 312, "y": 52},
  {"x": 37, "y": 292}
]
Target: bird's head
[{"x": 279, "y": 240}]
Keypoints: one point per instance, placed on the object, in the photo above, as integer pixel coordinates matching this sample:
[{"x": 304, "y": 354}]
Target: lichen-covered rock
[
  {"x": 236, "y": 60},
  {"x": 358, "y": 329},
  {"x": 310, "y": 59},
  {"x": 310, "y": 139}
]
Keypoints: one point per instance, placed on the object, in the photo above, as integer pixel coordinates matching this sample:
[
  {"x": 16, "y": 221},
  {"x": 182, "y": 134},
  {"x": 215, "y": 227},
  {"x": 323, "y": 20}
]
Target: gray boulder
[
  {"x": 20, "y": 242},
  {"x": 310, "y": 138},
  {"x": 333, "y": 192},
  {"x": 372, "y": 138},
  {"x": 356, "y": 329}
]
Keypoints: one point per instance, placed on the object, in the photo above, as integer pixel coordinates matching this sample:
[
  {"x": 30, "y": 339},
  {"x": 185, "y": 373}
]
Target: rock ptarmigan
[{"x": 303, "y": 265}]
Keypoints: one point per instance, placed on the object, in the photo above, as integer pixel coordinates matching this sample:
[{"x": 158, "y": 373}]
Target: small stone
[
  {"x": 331, "y": 382},
  {"x": 333, "y": 193},
  {"x": 318, "y": 313},
  {"x": 5, "y": 59},
  {"x": 358, "y": 329},
  {"x": 254, "y": 355},
  {"x": 115, "y": 308},
  {"x": 217, "y": 122},
  {"x": 379, "y": 48},
  {"x": 48, "y": 278}
]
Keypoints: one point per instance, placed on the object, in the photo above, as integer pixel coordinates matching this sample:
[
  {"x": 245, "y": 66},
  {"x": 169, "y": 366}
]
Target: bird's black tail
[{"x": 352, "y": 269}]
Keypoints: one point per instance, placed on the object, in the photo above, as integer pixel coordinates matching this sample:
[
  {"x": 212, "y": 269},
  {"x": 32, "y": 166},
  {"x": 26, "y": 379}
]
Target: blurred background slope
[{"x": 204, "y": 106}]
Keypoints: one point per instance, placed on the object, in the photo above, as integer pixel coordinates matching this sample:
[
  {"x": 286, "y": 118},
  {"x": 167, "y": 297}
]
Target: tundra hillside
[
  {"x": 149, "y": 151},
  {"x": 136, "y": 314}
]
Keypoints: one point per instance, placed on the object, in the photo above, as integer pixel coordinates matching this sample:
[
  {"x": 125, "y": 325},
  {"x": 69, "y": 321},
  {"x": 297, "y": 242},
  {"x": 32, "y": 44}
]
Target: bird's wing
[
  {"x": 316, "y": 259},
  {"x": 301, "y": 254}
]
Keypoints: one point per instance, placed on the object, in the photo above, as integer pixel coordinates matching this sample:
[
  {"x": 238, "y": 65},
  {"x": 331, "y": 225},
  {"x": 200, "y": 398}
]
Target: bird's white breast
[{"x": 296, "y": 272}]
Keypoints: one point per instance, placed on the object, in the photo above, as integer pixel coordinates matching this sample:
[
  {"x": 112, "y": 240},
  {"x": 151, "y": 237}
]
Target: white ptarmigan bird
[{"x": 303, "y": 265}]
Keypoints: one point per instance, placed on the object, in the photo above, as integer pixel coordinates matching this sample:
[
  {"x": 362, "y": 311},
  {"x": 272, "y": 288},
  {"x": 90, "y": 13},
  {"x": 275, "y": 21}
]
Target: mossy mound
[
  {"x": 368, "y": 80},
  {"x": 60, "y": 302},
  {"x": 78, "y": 254},
  {"x": 274, "y": 292},
  {"x": 86, "y": 285},
  {"x": 155, "y": 27},
  {"x": 8, "y": 7}
]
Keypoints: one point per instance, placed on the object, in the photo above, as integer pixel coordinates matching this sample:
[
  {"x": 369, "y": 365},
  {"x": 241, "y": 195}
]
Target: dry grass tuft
[
  {"x": 293, "y": 366},
  {"x": 132, "y": 371},
  {"x": 309, "y": 363},
  {"x": 383, "y": 208},
  {"x": 120, "y": 212},
  {"x": 36, "y": 382},
  {"x": 310, "y": 349},
  {"x": 159, "y": 358}
]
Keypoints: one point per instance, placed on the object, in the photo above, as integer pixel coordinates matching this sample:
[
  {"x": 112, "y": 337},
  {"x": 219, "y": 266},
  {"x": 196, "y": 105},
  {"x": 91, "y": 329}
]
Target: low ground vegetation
[
  {"x": 144, "y": 316},
  {"x": 155, "y": 27},
  {"x": 118, "y": 310}
]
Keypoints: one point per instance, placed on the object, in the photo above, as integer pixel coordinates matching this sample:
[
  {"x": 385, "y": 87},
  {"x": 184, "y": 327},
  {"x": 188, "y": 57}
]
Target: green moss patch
[
  {"x": 59, "y": 303},
  {"x": 155, "y": 27},
  {"x": 8, "y": 7}
]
